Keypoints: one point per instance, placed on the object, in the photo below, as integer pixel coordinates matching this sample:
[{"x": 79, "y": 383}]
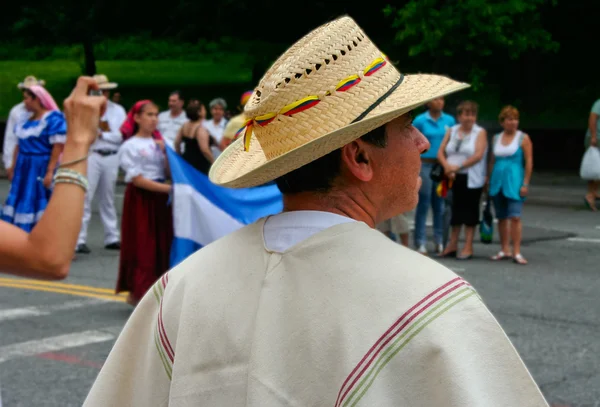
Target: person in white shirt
[
  {"x": 217, "y": 123},
  {"x": 18, "y": 114},
  {"x": 103, "y": 168},
  {"x": 170, "y": 121}
]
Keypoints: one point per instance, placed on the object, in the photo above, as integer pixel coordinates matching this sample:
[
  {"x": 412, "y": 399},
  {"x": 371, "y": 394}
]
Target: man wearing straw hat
[
  {"x": 313, "y": 306},
  {"x": 18, "y": 114},
  {"x": 103, "y": 168}
]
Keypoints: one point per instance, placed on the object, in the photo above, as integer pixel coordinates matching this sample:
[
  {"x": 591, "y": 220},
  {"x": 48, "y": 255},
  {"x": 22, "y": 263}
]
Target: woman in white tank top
[{"x": 462, "y": 154}]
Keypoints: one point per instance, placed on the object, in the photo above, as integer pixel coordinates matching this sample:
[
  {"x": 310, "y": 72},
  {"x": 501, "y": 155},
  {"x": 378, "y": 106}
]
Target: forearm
[
  {"x": 474, "y": 159},
  {"x": 56, "y": 150},
  {"x": 48, "y": 250},
  {"x": 167, "y": 167},
  {"x": 15, "y": 154},
  {"x": 441, "y": 156},
  {"x": 149, "y": 185},
  {"x": 528, "y": 171},
  {"x": 208, "y": 155},
  {"x": 113, "y": 137},
  {"x": 225, "y": 142},
  {"x": 205, "y": 149}
]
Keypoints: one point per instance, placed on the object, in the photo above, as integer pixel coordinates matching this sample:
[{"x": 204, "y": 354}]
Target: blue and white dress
[{"x": 28, "y": 197}]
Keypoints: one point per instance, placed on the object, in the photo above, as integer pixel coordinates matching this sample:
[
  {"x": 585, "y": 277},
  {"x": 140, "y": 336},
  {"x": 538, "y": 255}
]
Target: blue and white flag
[{"x": 203, "y": 212}]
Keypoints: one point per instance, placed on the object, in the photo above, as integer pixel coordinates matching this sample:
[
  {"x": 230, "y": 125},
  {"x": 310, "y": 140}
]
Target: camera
[{"x": 95, "y": 92}]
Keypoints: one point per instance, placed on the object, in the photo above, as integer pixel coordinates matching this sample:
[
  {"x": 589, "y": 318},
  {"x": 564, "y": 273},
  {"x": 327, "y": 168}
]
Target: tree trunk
[{"x": 89, "y": 58}]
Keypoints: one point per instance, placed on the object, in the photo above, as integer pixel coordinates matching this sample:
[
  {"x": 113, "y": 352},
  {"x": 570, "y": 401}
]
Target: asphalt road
[{"x": 54, "y": 337}]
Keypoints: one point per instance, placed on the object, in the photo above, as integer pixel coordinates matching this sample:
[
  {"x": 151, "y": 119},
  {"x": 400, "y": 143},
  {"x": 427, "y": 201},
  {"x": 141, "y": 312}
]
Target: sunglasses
[{"x": 458, "y": 144}]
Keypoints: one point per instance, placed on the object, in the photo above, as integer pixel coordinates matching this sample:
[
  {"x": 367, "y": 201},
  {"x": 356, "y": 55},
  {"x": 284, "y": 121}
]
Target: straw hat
[
  {"x": 30, "y": 81},
  {"x": 103, "y": 82},
  {"x": 330, "y": 88}
]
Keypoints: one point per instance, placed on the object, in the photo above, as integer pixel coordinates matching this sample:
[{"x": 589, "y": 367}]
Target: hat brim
[
  {"x": 108, "y": 86},
  {"x": 236, "y": 168}
]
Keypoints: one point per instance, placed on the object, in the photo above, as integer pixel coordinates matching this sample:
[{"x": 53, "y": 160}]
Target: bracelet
[
  {"x": 74, "y": 161},
  {"x": 70, "y": 181},
  {"x": 64, "y": 175}
]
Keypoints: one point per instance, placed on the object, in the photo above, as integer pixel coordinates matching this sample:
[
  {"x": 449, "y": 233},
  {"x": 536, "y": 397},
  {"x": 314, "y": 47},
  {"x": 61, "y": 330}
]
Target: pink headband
[{"x": 45, "y": 98}]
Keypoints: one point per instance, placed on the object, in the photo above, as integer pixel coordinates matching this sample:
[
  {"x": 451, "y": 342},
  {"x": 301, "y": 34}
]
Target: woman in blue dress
[{"x": 41, "y": 140}]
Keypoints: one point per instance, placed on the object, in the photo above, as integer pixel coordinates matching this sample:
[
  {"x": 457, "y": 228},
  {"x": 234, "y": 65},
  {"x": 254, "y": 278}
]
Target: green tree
[
  {"x": 67, "y": 22},
  {"x": 467, "y": 33}
]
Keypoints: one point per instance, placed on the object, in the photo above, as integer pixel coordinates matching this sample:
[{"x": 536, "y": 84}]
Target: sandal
[
  {"x": 501, "y": 256},
  {"x": 451, "y": 254},
  {"x": 591, "y": 205},
  {"x": 519, "y": 259}
]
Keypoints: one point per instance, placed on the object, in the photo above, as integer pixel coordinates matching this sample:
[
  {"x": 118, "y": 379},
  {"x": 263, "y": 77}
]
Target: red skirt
[{"x": 146, "y": 236}]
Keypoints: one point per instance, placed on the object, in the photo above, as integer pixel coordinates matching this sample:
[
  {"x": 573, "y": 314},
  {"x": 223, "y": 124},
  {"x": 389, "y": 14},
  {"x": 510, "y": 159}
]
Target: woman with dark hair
[
  {"x": 147, "y": 226},
  {"x": 41, "y": 141},
  {"x": 196, "y": 140}
]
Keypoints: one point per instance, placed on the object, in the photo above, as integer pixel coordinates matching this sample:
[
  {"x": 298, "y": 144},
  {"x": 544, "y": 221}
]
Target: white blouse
[
  {"x": 458, "y": 150},
  {"x": 500, "y": 150},
  {"x": 142, "y": 156}
]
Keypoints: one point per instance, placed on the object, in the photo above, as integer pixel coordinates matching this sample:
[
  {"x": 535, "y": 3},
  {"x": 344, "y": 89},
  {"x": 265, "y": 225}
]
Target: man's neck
[
  {"x": 352, "y": 205},
  {"x": 175, "y": 113},
  {"x": 215, "y": 121},
  {"x": 435, "y": 114}
]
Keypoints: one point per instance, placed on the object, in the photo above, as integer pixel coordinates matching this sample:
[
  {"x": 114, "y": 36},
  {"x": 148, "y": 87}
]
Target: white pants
[{"x": 102, "y": 178}]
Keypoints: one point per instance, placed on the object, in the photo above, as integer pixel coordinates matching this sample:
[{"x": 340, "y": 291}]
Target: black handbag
[{"x": 437, "y": 173}]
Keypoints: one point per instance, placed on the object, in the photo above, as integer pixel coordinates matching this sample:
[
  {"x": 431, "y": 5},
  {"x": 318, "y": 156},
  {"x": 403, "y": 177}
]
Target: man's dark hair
[
  {"x": 178, "y": 93},
  {"x": 318, "y": 176}
]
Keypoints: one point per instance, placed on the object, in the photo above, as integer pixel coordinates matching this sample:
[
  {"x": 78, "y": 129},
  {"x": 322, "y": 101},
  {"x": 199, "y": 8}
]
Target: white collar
[{"x": 287, "y": 229}]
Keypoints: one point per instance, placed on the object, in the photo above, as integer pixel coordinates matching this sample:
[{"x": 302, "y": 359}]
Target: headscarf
[
  {"x": 44, "y": 97},
  {"x": 130, "y": 127}
]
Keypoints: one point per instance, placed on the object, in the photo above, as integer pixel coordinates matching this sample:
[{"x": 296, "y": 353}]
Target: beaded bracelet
[
  {"x": 65, "y": 175},
  {"x": 70, "y": 181}
]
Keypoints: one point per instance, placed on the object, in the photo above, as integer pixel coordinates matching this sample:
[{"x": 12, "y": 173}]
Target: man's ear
[{"x": 357, "y": 160}]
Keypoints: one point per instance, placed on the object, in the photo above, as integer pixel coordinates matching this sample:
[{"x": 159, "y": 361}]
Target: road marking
[
  {"x": 70, "y": 359},
  {"x": 457, "y": 269},
  {"x": 17, "y": 313},
  {"x": 583, "y": 240},
  {"x": 53, "y": 344},
  {"x": 99, "y": 290},
  {"x": 63, "y": 288}
]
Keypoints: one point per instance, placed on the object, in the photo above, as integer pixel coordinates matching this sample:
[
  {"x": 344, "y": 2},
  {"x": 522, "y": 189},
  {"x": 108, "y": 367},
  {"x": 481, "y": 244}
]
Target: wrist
[{"x": 84, "y": 137}]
